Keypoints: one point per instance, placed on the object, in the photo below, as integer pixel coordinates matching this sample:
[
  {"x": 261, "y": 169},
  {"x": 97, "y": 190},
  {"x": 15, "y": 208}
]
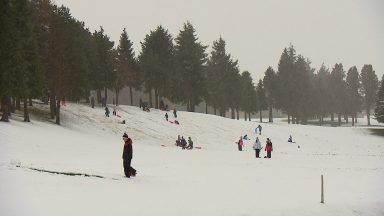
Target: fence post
[{"x": 322, "y": 189}]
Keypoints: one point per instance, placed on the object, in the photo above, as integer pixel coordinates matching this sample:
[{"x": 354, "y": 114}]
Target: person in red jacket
[
  {"x": 127, "y": 157},
  {"x": 240, "y": 144},
  {"x": 269, "y": 148}
]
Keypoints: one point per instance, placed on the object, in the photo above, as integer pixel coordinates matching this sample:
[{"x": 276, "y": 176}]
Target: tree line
[{"x": 47, "y": 53}]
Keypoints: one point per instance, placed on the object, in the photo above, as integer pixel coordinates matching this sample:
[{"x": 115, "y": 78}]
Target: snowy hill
[{"x": 214, "y": 180}]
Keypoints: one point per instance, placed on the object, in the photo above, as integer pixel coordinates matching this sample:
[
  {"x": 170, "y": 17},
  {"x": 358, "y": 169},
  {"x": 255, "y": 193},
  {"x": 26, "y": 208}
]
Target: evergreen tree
[
  {"x": 370, "y": 84},
  {"x": 304, "y": 91},
  {"x": 286, "y": 99},
  {"x": 261, "y": 99},
  {"x": 379, "y": 110},
  {"x": 354, "y": 97},
  {"x": 126, "y": 66},
  {"x": 248, "y": 95},
  {"x": 338, "y": 89},
  {"x": 270, "y": 86},
  {"x": 190, "y": 58},
  {"x": 222, "y": 77},
  {"x": 20, "y": 74},
  {"x": 105, "y": 73},
  {"x": 322, "y": 93},
  {"x": 156, "y": 64}
]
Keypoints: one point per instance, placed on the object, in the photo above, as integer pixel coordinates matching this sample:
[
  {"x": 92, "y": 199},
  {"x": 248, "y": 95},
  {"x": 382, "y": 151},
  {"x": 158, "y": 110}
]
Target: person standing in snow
[
  {"x": 240, "y": 144},
  {"x": 257, "y": 147},
  {"x": 174, "y": 112},
  {"x": 92, "y": 102},
  {"x": 290, "y": 139},
  {"x": 166, "y": 116},
  {"x": 106, "y": 111},
  {"x": 127, "y": 157},
  {"x": 269, "y": 148},
  {"x": 258, "y": 129}
]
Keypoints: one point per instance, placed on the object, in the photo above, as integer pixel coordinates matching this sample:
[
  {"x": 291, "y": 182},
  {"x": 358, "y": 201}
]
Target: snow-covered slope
[{"x": 214, "y": 180}]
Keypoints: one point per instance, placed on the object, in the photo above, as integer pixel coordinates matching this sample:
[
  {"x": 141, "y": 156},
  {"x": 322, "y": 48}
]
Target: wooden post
[{"x": 322, "y": 189}]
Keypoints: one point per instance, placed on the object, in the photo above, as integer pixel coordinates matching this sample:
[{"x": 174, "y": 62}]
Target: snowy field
[{"x": 214, "y": 180}]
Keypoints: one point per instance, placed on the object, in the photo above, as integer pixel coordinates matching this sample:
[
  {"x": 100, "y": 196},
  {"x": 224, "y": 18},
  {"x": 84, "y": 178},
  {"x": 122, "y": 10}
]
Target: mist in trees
[{"x": 48, "y": 54}]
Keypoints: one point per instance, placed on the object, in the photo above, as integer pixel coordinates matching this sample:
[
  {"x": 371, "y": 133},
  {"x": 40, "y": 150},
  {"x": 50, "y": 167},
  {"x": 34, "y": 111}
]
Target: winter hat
[{"x": 125, "y": 135}]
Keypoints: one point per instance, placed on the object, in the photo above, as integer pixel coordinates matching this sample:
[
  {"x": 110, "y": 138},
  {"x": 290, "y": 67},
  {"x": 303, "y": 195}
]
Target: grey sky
[{"x": 256, "y": 32}]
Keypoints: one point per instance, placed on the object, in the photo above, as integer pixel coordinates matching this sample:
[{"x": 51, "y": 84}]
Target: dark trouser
[
  {"x": 127, "y": 167},
  {"x": 257, "y": 152},
  {"x": 240, "y": 148},
  {"x": 269, "y": 154}
]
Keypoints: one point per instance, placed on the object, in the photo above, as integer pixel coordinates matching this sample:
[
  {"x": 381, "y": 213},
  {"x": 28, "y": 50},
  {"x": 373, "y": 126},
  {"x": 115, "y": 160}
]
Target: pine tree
[
  {"x": 156, "y": 64},
  {"x": 354, "y": 97},
  {"x": 270, "y": 85},
  {"x": 379, "y": 110},
  {"x": 286, "y": 82},
  {"x": 338, "y": 89},
  {"x": 105, "y": 74},
  {"x": 261, "y": 99},
  {"x": 190, "y": 58},
  {"x": 126, "y": 65},
  {"x": 370, "y": 84},
  {"x": 323, "y": 94},
  {"x": 248, "y": 94},
  {"x": 304, "y": 91},
  {"x": 222, "y": 77}
]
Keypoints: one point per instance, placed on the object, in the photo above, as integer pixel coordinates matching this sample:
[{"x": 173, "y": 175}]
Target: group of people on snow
[{"x": 181, "y": 142}]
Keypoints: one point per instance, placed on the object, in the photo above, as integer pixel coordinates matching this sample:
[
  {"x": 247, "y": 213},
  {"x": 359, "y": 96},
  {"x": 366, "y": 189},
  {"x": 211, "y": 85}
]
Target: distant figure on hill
[
  {"x": 127, "y": 157},
  {"x": 290, "y": 139},
  {"x": 269, "y": 148},
  {"x": 240, "y": 144},
  {"x": 258, "y": 128},
  {"x": 140, "y": 103},
  {"x": 92, "y": 102},
  {"x": 166, "y": 116},
  {"x": 174, "y": 112},
  {"x": 178, "y": 141},
  {"x": 107, "y": 111},
  {"x": 190, "y": 143},
  {"x": 257, "y": 147},
  {"x": 114, "y": 112},
  {"x": 183, "y": 142}
]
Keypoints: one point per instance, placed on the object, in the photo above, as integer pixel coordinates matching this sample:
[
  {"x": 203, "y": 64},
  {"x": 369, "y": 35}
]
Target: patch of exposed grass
[{"x": 377, "y": 131}]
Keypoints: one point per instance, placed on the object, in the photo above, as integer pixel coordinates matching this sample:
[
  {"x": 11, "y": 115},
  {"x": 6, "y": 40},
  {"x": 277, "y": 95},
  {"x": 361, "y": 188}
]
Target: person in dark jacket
[
  {"x": 174, "y": 113},
  {"x": 166, "y": 116},
  {"x": 269, "y": 148},
  {"x": 127, "y": 157},
  {"x": 107, "y": 111},
  {"x": 92, "y": 102},
  {"x": 183, "y": 142},
  {"x": 178, "y": 141},
  {"x": 190, "y": 143}
]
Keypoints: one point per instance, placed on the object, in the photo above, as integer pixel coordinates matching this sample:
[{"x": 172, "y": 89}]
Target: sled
[
  {"x": 164, "y": 145},
  {"x": 197, "y": 147},
  {"x": 118, "y": 116}
]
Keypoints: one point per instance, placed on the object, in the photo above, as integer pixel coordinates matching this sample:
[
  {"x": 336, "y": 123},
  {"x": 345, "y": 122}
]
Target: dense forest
[{"x": 47, "y": 54}]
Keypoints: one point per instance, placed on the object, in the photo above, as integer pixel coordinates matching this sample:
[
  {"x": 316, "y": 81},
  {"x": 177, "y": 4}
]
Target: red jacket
[{"x": 269, "y": 147}]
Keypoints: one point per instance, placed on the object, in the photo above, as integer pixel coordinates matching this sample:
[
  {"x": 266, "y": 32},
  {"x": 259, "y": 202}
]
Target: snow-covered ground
[{"x": 214, "y": 180}]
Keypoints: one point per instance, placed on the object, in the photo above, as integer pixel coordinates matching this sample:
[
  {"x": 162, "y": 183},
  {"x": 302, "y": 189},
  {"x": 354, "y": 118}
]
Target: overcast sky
[{"x": 256, "y": 32}]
